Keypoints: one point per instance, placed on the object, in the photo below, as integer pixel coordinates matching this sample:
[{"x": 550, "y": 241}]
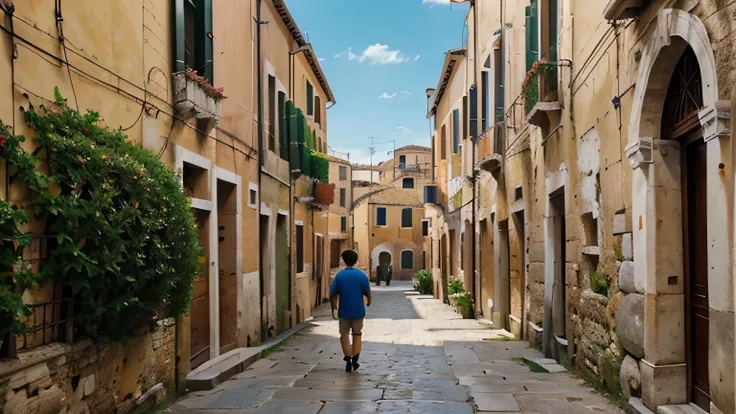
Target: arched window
[{"x": 407, "y": 259}]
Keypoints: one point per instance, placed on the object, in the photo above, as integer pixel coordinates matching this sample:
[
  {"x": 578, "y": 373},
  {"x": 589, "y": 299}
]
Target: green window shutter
[
  {"x": 406, "y": 219},
  {"x": 553, "y": 30},
  {"x": 206, "y": 17},
  {"x": 532, "y": 34},
  {"x": 177, "y": 17}
]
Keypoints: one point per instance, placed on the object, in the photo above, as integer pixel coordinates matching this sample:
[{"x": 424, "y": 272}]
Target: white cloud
[
  {"x": 407, "y": 93},
  {"x": 379, "y": 54},
  {"x": 320, "y": 59},
  {"x": 403, "y": 128},
  {"x": 417, "y": 57},
  {"x": 349, "y": 53},
  {"x": 386, "y": 96},
  {"x": 433, "y": 2}
]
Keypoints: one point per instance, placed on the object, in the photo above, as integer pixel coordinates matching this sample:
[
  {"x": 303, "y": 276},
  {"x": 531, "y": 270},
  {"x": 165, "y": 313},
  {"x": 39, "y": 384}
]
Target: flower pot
[{"x": 324, "y": 193}]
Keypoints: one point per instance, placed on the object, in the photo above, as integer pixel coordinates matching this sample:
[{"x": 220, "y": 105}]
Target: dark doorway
[
  {"x": 559, "y": 289},
  {"x": 697, "y": 199},
  {"x": 265, "y": 290},
  {"x": 283, "y": 288},
  {"x": 335, "y": 254},
  {"x": 200, "y": 305},
  {"x": 227, "y": 212},
  {"x": 444, "y": 273},
  {"x": 520, "y": 234}
]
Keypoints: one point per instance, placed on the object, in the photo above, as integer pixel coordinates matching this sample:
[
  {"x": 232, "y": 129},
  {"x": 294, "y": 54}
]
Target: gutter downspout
[
  {"x": 476, "y": 279},
  {"x": 259, "y": 80}
]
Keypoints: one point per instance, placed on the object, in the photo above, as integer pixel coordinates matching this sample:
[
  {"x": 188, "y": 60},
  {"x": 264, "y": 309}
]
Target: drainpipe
[
  {"x": 476, "y": 281},
  {"x": 259, "y": 80}
]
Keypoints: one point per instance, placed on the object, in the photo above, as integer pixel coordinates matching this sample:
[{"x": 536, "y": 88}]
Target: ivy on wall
[{"x": 119, "y": 231}]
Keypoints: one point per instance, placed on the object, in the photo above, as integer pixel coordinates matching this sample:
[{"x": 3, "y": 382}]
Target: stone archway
[{"x": 658, "y": 227}]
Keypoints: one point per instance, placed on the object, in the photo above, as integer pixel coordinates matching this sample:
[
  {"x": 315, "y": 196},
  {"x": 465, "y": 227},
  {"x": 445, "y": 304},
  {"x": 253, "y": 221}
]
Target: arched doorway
[
  {"x": 679, "y": 147},
  {"x": 384, "y": 272},
  {"x": 681, "y": 123}
]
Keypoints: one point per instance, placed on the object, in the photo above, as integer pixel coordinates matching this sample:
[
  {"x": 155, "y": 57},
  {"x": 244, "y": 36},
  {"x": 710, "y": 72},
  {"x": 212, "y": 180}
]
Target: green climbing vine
[{"x": 119, "y": 232}]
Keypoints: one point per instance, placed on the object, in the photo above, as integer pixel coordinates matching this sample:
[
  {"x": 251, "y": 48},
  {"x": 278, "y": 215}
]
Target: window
[
  {"x": 272, "y": 113},
  {"x": 407, "y": 182},
  {"x": 465, "y": 130},
  {"x": 406, "y": 219},
  {"x": 310, "y": 99},
  {"x": 299, "y": 248},
  {"x": 317, "y": 110},
  {"x": 343, "y": 197},
  {"x": 462, "y": 251},
  {"x": 343, "y": 224},
  {"x": 381, "y": 216},
  {"x": 455, "y": 131},
  {"x": 319, "y": 145},
  {"x": 473, "y": 111},
  {"x": 283, "y": 138},
  {"x": 485, "y": 96},
  {"x": 402, "y": 161},
  {"x": 253, "y": 195},
  {"x": 343, "y": 173},
  {"x": 425, "y": 228},
  {"x": 443, "y": 143},
  {"x": 193, "y": 46},
  {"x": 407, "y": 259},
  {"x": 498, "y": 84}
]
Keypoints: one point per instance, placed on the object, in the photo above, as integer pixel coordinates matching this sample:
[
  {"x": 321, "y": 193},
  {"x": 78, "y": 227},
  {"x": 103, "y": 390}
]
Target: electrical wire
[
  {"x": 117, "y": 89},
  {"x": 60, "y": 29}
]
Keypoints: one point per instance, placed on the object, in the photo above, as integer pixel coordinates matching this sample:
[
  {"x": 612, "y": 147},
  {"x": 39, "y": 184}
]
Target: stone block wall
[{"x": 91, "y": 377}]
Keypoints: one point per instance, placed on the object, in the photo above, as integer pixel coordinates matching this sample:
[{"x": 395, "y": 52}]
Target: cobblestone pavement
[{"x": 418, "y": 357}]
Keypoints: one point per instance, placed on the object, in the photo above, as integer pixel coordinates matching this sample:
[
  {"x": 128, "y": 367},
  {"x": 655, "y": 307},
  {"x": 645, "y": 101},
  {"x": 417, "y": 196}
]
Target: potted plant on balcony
[{"x": 195, "y": 96}]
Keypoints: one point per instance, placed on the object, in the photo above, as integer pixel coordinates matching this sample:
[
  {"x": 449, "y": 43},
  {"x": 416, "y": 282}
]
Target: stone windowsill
[{"x": 40, "y": 355}]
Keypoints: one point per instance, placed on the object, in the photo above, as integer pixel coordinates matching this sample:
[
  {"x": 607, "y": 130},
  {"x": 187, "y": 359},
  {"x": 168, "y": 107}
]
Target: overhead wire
[{"x": 122, "y": 92}]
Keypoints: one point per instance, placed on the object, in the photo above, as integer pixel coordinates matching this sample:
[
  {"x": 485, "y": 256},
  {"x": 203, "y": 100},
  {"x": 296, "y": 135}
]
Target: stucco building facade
[
  {"x": 247, "y": 188},
  {"x": 601, "y": 186}
]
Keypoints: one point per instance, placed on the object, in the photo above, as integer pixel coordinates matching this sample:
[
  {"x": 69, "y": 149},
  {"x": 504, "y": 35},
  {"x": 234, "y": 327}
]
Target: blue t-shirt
[{"x": 351, "y": 284}]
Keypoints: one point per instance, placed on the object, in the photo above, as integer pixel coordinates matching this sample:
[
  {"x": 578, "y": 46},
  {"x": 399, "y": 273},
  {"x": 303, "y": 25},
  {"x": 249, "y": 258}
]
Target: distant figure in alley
[{"x": 350, "y": 285}]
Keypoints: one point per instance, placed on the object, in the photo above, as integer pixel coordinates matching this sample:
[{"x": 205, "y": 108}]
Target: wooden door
[
  {"x": 200, "y": 305},
  {"x": 334, "y": 254},
  {"x": 697, "y": 199}
]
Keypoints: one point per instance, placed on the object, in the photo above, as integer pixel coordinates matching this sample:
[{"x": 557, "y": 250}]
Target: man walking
[{"x": 350, "y": 285}]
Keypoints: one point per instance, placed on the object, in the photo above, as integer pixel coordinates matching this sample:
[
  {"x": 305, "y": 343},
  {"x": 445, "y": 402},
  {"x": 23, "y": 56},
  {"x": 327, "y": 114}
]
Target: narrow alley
[{"x": 418, "y": 357}]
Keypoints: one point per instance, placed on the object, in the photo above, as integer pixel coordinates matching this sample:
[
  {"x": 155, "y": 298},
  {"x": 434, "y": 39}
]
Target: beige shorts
[{"x": 347, "y": 324}]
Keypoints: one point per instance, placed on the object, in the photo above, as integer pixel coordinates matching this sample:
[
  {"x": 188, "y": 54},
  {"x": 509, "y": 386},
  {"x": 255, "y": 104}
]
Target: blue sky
[{"x": 373, "y": 48}]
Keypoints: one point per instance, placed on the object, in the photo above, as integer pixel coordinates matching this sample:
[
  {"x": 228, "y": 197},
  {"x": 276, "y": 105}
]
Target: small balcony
[
  {"x": 493, "y": 162},
  {"x": 195, "y": 97},
  {"x": 540, "y": 94}
]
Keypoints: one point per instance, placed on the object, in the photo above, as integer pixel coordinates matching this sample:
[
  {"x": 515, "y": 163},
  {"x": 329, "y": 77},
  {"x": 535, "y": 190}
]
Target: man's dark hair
[{"x": 350, "y": 257}]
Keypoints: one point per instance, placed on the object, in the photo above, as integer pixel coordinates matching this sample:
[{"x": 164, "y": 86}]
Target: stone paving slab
[
  {"x": 495, "y": 402},
  {"x": 323, "y": 394},
  {"x": 408, "y": 365}
]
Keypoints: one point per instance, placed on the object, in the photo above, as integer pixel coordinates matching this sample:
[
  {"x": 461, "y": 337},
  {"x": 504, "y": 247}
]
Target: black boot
[
  {"x": 348, "y": 363},
  {"x": 356, "y": 365}
]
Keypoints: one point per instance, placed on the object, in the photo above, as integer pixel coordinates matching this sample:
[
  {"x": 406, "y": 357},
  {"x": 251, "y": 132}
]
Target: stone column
[
  {"x": 658, "y": 247},
  {"x": 716, "y": 121}
]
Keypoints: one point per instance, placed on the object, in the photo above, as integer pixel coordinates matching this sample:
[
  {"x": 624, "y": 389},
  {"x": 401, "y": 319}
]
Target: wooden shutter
[
  {"x": 310, "y": 99},
  {"x": 484, "y": 86},
  {"x": 406, "y": 218},
  {"x": 532, "y": 34},
  {"x": 473, "y": 93},
  {"x": 407, "y": 259},
  {"x": 455, "y": 131},
  {"x": 380, "y": 216},
  {"x": 299, "y": 248}
]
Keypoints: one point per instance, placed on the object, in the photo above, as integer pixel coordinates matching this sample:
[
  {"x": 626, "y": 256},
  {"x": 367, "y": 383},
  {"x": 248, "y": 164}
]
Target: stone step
[
  {"x": 680, "y": 409},
  {"x": 218, "y": 370}
]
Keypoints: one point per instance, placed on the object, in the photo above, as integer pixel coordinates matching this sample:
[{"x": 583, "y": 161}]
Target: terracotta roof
[
  {"x": 414, "y": 148},
  {"x": 301, "y": 42}
]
